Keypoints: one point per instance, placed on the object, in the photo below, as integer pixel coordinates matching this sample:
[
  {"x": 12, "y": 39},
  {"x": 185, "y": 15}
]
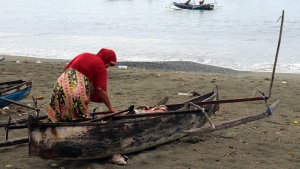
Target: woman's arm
[{"x": 104, "y": 97}]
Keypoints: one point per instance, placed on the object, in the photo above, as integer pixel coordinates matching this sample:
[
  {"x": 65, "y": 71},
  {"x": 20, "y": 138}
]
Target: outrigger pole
[
  {"x": 19, "y": 104},
  {"x": 278, "y": 46}
]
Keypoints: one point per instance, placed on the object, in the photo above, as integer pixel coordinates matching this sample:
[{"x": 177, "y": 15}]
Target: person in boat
[
  {"x": 187, "y": 2},
  {"x": 84, "y": 80},
  {"x": 201, "y": 2}
]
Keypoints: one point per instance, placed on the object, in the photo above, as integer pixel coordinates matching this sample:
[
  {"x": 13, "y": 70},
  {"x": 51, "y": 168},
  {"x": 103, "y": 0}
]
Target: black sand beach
[{"x": 273, "y": 142}]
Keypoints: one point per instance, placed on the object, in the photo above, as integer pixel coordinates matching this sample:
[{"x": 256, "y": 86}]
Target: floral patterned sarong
[{"x": 70, "y": 97}]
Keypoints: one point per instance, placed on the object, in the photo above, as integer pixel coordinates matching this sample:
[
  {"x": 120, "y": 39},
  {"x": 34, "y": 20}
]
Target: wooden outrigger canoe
[
  {"x": 92, "y": 138},
  {"x": 194, "y": 6},
  {"x": 121, "y": 135},
  {"x": 14, "y": 90},
  {"x": 132, "y": 132}
]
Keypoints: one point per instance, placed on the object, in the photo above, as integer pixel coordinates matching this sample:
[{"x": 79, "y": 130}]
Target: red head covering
[
  {"x": 93, "y": 67},
  {"x": 108, "y": 56}
]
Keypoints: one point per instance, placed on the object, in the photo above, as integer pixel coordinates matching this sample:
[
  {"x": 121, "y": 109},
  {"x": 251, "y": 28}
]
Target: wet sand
[{"x": 272, "y": 142}]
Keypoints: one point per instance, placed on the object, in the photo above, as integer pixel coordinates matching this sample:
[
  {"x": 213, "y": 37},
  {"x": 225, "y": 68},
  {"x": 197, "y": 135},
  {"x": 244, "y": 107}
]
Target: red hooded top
[
  {"x": 108, "y": 56},
  {"x": 93, "y": 67}
]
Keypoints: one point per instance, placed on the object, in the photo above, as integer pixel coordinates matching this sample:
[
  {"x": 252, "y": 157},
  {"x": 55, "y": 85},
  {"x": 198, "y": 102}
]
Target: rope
[
  {"x": 203, "y": 111},
  {"x": 254, "y": 91},
  {"x": 270, "y": 111}
]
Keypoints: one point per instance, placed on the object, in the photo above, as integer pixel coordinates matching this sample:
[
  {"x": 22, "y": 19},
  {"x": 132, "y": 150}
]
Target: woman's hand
[
  {"x": 104, "y": 97},
  {"x": 113, "y": 110}
]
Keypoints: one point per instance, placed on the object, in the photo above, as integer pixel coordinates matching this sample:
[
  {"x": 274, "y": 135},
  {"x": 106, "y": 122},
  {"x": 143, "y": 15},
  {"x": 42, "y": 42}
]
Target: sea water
[{"x": 241, "y": 35}]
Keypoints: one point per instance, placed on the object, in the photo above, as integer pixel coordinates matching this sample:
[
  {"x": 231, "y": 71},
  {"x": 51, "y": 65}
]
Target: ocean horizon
[{"x": 237, "y": 35}]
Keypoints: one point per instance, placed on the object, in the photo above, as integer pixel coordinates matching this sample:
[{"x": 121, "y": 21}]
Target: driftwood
[{"x": 233, "y": 123}]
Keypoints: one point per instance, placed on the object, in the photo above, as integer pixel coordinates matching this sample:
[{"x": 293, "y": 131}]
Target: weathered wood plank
[{"x": 14, "y": 141}]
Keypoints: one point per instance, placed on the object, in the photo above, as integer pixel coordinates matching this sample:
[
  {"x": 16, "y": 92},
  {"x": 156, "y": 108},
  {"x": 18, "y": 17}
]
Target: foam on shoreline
[{"x": 182, "y": 66}]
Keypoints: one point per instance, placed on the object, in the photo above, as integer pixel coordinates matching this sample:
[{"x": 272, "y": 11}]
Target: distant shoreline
[
  {"x": 183, "y": 66},
  {"x": 32, "y": 59},
  {"x": 180, "y": 66}
]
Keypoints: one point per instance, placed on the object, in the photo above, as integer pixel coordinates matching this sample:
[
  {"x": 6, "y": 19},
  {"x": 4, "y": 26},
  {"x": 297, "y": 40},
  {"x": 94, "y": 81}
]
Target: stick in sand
[{"x": 278, "y": 46}]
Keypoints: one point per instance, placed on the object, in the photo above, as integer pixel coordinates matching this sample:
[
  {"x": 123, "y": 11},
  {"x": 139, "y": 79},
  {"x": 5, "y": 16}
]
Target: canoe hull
[
  {"x": 98, "y": 140},
  {"x": 14, "y": 90},
  {"x": 194, "y": 7}
]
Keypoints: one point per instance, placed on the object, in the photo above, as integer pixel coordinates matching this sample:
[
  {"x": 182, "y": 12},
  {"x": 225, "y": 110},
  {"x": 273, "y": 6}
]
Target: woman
[{"x": 84, "y": 80}]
